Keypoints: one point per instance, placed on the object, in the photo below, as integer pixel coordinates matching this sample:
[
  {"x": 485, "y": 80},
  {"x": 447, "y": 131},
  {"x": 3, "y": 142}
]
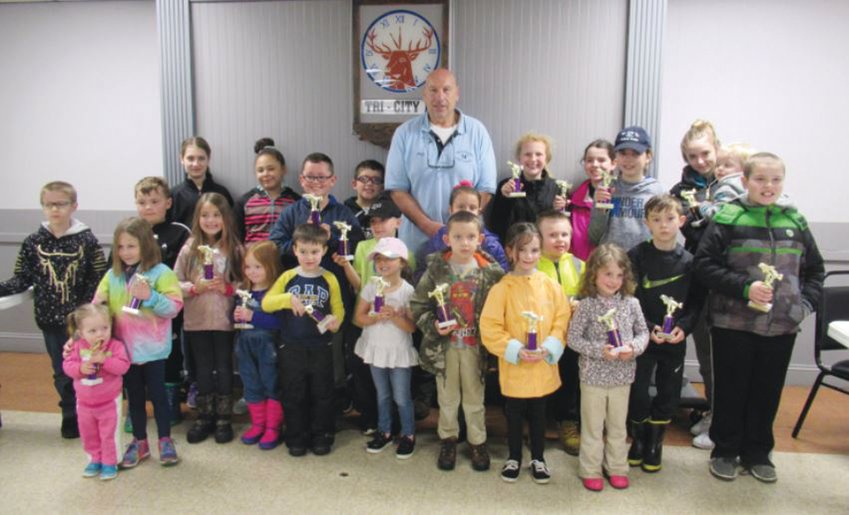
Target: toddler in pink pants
[{"x": 96, "y": 364}]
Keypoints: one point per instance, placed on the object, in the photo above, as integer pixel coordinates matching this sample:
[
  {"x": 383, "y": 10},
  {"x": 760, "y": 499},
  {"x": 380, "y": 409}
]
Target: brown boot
[
  {"x": 480, "y": 457},
  {"x": 447, "y": 454}
]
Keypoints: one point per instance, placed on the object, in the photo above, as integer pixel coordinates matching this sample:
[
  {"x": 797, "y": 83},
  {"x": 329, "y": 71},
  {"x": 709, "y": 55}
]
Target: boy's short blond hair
[
  {"x": 555, "y": 215},
  {"x": 150, "y": 184},
  {"x": 60, "y": 186},
  {"x": 762, "y": 158},
  {"x": 662, "y": 203}
]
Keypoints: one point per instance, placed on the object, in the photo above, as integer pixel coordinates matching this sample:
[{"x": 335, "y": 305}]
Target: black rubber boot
[
  {"x": 205, "y": 423},
  {"x": 224, "y": 413},
  {"x": 654, "y": 446},
  {"x": 638, "y": 432}
]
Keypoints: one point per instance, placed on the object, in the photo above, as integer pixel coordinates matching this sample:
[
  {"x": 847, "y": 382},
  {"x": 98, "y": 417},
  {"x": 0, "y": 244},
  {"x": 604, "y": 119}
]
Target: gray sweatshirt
[{"x": 624, "y": 224}]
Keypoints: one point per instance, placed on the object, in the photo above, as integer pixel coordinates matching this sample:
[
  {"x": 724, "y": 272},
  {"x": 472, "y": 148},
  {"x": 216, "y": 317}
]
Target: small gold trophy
[
  {"x": 606, "y": 181},
  {"x": 565, "y": 187},
  {"x": 443, "y": 317},
  {"x": 533, "y": 322},
  {"x": 672, "y": 306},
  {"x": 344, "y": 248},
  {"x": 613, "y": 336},
  {"x": 85, "y": 355},
  {"x": 315, "y": 210},
  {"x": 245, "y": 297},
  {"x": 208, "y": 264},
  {"x": 516, "y": 170},
  {"x": 770, "y": 276},
  {"x": 693, "y": 206},
  {"x": 380, "y": 284},
  {"x": 320, "y": 318},
  {"x": 135, "y": 304}
]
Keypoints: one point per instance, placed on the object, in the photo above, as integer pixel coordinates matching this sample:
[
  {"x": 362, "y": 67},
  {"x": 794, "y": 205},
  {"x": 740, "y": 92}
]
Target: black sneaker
[
  {"x": 510, "y": 471},
  {"x": 406, "y": 447},
  {"x": 379, "y": 442},
  {"x": 70, "y": 429},
  {"x": 540, "y": 472}
]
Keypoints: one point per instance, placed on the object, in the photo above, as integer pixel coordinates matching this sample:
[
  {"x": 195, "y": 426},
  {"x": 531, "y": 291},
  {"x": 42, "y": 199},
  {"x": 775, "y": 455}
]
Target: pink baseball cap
[{"x": 391, "y": 248}]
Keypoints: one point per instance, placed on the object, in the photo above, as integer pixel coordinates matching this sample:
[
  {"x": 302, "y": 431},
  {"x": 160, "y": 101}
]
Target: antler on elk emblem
[{"x": 399, "y": 67}]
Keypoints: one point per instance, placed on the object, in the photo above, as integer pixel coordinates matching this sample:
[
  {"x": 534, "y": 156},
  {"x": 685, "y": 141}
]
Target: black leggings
[
  {"x": 516, "y": 411},
  {"x": 147, "y": 381},
  {"x": 213, "y": 355}
]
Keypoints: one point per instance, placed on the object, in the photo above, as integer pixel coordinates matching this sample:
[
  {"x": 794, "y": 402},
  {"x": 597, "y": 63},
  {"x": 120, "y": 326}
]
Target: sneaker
[
  {"x": 571, "y": 437},
  {"x": 92, "y": 469},
  {"x": 192, "y": 396},
  {"x": 619, "y": 482},
  {"x": 108, "y": 472},
  {"x": 128, "y": 425},
  {"x": 724, "y": 468},
  {"x": 703, "y": 441},
  {"x": 406, "y": 447},
  {"x": 539, "y": 472},
  {"x": 70, "y": 428},
  {"x": 136, "y": 452},
  {"x": 369, "y": 431},
  {"x": 447, "y": 454},
  {"x": 510, "y": 471},
  {"x": 480, "y": 457},
  {"x": 702, "y": 425},
  {"x": 379, "y": 442},
  {"x": 764, "y": 473},
  {"x": 593, "y": 484},
  {"x": 167, "y": 452}
]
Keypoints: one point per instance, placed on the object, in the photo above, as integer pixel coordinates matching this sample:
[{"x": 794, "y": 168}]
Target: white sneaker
[
  {"x": 703, "y": 441},
  {"x": 702, "y": 425}
]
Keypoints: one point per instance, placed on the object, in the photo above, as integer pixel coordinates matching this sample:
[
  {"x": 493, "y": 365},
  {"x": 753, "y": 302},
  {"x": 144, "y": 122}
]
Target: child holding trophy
[
  {"x": 597, "y": 161},
  {"x": 453, "y": 353},
  {"x": 386, "y": 344},
  {"x": 671, "y": 299},
  {"x": 756, "y": 252},
  {"x": 209, "y": 266},
  {"x": 256, "y": 347},
  {"x": 524, "y": 323},
  {"x": 608, "y": 331},
  {"x": 97, "y": 363},
  {"x": 147, "y": 335},
  {"x": 305, "y": 357}
]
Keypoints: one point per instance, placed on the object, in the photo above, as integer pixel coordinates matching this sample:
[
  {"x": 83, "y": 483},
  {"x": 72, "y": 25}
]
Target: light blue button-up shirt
[{"x": 415, "y": 165}]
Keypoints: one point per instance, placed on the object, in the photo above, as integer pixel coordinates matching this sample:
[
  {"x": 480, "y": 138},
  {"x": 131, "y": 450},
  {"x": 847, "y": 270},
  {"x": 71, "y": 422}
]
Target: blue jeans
[
  {"x": 394, "y": 382},
  {"x": 256, "y": 350},
  {"x": 54, "y": 339}
]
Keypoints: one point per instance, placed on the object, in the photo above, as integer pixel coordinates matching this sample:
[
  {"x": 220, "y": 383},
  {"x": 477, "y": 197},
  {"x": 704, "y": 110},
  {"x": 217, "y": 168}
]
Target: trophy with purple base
[
  {"x": 443, "y": 317},
  {"x": 770, "y": 276},
  {"x": 208, "y": 261},
  {"x": 344, "y": 248},
  {"x": 532, "y": 345},
  {"x": 606, "y": 181},
  {"x": 320, "y": 318},
  {"x": 315, "y": 210},
  {"x": 516, "y": 170},
  {"x": 565, "y": 187},
  {"x": 135, "y": 304},
  {"x": 85, "y": 355},
  {"x": 672, "y": 306},
  {"x": 693, "y": 206},
  {"x": 380, "y": 284},
  {"x": 244, "y": 297},
  {"x": 613, "y": 336}
]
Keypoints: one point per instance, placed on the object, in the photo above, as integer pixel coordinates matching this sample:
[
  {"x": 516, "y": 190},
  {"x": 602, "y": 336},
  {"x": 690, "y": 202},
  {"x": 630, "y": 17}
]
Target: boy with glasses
[
  {"x": 368, "y": 184},
  {"x": 63, "y": 262}
]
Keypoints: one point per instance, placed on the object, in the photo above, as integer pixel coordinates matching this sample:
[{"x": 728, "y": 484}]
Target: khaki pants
[
  {"x": 462, "y": 383},
  {"x": 603, "y": 409}
]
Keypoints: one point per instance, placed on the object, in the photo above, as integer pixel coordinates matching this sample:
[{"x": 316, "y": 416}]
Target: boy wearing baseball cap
[{"x": 623, "y": 225}]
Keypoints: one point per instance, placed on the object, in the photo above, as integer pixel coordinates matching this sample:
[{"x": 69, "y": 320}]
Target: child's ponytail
[
  {"x": 699, "y": 128},
  {"x": 75, "y": 317}
]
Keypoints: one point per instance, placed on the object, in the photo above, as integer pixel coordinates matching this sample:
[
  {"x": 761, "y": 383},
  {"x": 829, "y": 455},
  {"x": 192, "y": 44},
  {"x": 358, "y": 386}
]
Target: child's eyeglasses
[
  {"x": 377, "y": 181},
  {"x": 57, "y": 205},
  {"x": 317, "y": 178}
]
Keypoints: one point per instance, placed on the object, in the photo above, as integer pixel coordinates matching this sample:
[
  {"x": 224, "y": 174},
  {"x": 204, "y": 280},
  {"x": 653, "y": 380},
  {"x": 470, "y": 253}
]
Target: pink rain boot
[
  {"x": 273, "y": 421},
  {"x": 258, "y": 418}
]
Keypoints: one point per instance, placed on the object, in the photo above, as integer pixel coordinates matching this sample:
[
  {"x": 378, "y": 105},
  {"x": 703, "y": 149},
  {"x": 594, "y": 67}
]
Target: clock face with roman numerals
[{"x": 399, "y": 49}]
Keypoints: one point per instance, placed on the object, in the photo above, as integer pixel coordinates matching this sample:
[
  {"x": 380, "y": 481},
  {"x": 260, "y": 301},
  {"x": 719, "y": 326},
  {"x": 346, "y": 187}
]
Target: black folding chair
[{"x": 834, "y": 305}]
